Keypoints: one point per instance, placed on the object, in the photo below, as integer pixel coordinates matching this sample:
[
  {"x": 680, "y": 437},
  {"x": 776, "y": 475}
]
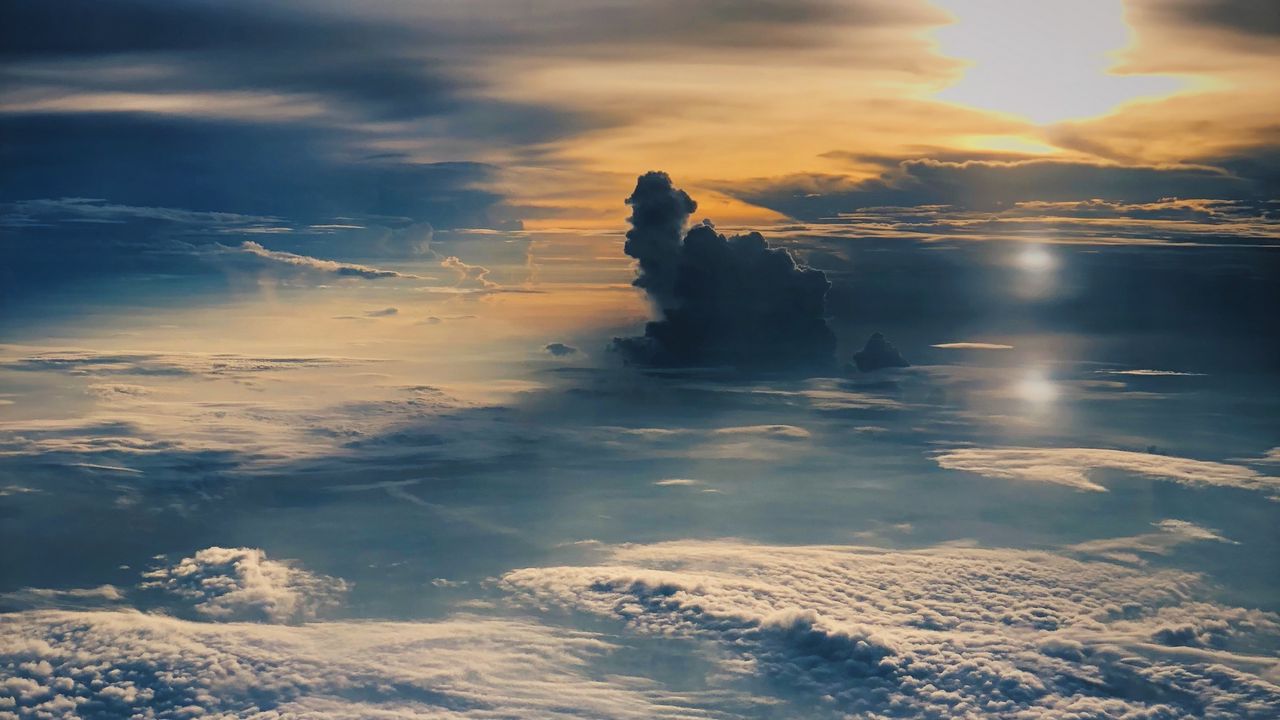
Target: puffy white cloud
[
  {"x": 469, "y": 276},
  {"x": 243, "y": 584},
  {"x": 1071, "y": 467},
  {"x": 946, "y": 632},
  {"x": 130, "y": 664}
]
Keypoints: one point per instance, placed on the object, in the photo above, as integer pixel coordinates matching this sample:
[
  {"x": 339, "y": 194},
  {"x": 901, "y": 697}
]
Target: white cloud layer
[
  {"x": 129, "y": 664},
  {"x": 942, "y": 633}
]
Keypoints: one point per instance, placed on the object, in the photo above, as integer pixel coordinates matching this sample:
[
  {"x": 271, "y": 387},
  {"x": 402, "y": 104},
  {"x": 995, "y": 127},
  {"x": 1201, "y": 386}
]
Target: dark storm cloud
[
  {"x": 878, "y": 354},
  {"x": 989, "y": 185},
  {"x": 1249, "y": 17},
  {"x": 659, "y": 213},
  {"x": 724, "y": 300}
]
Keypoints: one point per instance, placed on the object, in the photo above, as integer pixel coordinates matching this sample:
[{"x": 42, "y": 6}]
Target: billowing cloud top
[
  {"x": 242, "y": 584},
  {"x": 724, "y": 300}
]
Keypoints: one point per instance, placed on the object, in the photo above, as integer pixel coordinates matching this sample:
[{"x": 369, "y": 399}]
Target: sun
[{"x": 1043, "y": 60}]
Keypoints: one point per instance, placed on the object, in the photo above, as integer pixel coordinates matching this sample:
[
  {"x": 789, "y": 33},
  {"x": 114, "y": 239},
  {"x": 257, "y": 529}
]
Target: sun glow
[
  {"x": 1036, "y": 259},
  {"x": 1047, "y": 61},
  {"x": 1036, "y": 389}
]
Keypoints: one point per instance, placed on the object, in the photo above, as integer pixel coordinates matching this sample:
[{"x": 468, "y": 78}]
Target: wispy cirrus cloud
[
  {"x": 288, "y": 261},
  {"x": 1072, "y": 467}
]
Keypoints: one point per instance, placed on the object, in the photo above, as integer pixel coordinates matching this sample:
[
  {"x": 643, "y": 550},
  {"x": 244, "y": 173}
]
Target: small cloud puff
[
  {"x": 469, "y": 276},
  {"x": 560, "y": 349},
  {"x": 237, "y": 584}
]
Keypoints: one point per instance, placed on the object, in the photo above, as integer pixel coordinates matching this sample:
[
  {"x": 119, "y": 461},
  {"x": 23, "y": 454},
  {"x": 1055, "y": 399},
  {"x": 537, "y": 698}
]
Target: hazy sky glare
[{"x": 1047, "y": 61}]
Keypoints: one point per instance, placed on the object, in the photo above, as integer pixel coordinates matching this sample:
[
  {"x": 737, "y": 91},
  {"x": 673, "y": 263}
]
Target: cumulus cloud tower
[
  {"x": 724, "y": 300},
  {"x": 659, "y": 212}
]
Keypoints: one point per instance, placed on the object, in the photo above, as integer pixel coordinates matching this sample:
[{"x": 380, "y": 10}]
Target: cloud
[
  {"x": 11, "y": 490},
  {"x": 1151, "y": 373},
  {"x": 30, "y": 598},
  {"x": 943, "y": 632},
  {"x": 125, "y": 362},
  {"x": 724, "y": 301},
  {"x": 354, "y": 68},
  {"x": 127, "y": 664},
  {"x": 560, "y": 349},
  {"x": 295, "y": 174},
  {"x": 384, "y": 312},
  {"x": 778, "y": 432},
  {"x": 469, "y": 276},
  {"x": 96, "y": 211},
  {"x": 109, "y": 391},
  {"x": 972, "y": 346},
  {"x": 1169, "y": 535},
  {"x": 776, "y": 442},
  {"x": 1072, "y": 467},
  {"x": 304, "y": 264},
  {"x": 878, "y": 354},
  {"x": 992, "y": 185},
  {"x": 238, "y": 584},
  {"x": 1271, "y": 456},
  {"x": 659, "y": 213}
]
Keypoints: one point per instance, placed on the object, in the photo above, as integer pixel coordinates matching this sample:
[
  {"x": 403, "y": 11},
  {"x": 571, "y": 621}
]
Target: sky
[{"x": 599, "y": 359}]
